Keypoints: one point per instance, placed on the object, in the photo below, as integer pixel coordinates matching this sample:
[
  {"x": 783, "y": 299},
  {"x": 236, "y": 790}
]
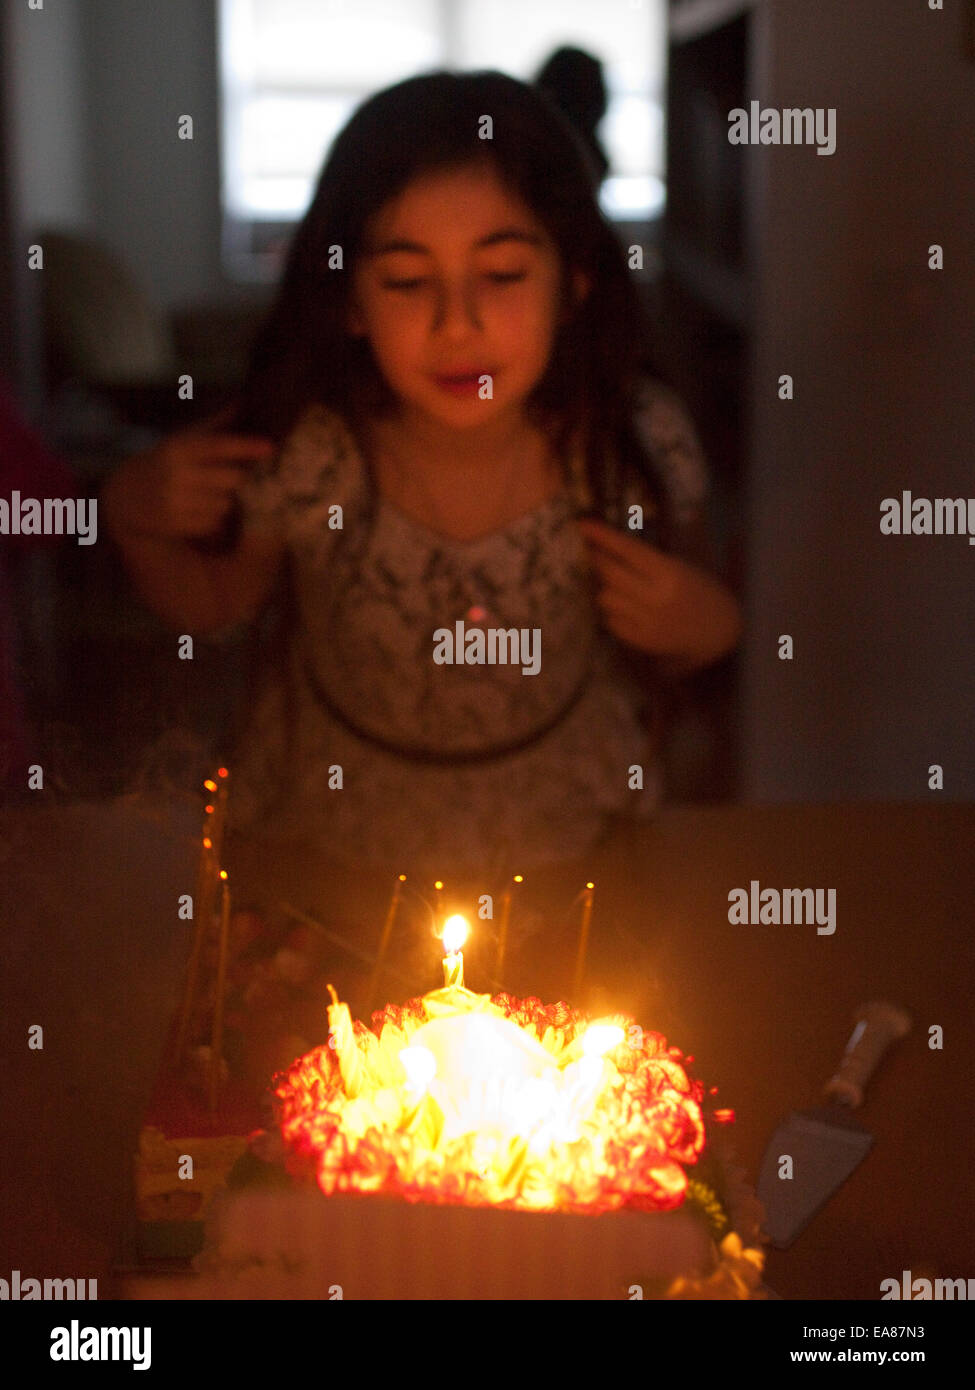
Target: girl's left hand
[{"x": 658, "y": 603}]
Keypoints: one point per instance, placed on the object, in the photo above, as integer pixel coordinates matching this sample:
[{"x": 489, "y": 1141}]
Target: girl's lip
[
  {"x": 461, "y": 385},
  {"x": 475, "y": 375}
]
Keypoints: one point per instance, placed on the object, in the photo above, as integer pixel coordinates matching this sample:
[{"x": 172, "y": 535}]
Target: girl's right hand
[{"x": 184, "y": 487}]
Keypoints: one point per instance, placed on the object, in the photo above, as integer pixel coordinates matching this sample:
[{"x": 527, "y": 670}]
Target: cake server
[{"x": 827, "y": 1143}]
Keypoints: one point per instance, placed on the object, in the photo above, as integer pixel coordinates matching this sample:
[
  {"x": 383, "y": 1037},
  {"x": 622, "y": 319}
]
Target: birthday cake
[
  {"x": 467, "y": 1146},
  {"x": 474, "y": 1146}
]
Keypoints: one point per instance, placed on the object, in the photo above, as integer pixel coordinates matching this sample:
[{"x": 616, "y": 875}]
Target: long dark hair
[{"x": 303, "y": 353}]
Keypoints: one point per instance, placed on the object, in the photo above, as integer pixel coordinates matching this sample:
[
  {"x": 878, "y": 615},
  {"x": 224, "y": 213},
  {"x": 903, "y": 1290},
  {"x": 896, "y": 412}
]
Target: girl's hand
[
  {"x": 658, "y": 603},
  {"x": 184, "y": 487}
]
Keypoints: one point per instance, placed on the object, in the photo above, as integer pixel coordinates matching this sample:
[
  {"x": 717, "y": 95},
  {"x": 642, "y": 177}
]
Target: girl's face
[{"x": 458, "y": 280}]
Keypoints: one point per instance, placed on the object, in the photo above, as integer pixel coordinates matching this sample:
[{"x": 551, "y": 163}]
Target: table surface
[{"x": 765, "y": 1010}]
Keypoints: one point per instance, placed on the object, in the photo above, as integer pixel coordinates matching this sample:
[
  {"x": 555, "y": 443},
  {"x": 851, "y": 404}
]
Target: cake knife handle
[{"x": 877, "y": 1026}]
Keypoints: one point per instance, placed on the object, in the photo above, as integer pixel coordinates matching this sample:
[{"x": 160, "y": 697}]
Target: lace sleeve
[{"x": 668, "y": 434}]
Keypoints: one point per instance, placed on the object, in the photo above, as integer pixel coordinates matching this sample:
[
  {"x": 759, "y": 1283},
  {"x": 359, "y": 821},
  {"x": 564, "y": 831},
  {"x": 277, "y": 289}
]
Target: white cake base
[{"x": 302, "y": 1245}]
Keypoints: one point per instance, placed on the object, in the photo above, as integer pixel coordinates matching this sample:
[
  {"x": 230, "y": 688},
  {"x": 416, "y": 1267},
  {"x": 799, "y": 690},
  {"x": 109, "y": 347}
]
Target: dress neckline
[
  {"x": 561, "y": 499},
  {"x": 557, "y": 502}
]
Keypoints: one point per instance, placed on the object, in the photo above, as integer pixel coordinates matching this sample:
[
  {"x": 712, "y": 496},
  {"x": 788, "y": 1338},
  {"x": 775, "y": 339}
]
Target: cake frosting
[
  {"x": 427, "y": 1156},
  {"x": 515, "y": 1114}
]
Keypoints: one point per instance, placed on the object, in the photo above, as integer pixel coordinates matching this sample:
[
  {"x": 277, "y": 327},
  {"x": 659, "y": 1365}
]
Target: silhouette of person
[{"x": 573, "y": 80}]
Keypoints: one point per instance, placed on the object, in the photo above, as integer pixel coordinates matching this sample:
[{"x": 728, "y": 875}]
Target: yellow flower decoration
[{"x": 738, "y": 1275}]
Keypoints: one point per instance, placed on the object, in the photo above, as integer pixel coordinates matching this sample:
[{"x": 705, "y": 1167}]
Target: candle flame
[
  {"x": 601, "y": 1038},
  {"x": 454, "y": 934}
]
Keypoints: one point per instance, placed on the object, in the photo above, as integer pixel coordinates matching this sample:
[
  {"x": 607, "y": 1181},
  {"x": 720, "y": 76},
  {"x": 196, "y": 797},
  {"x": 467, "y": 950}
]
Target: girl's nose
[{"x": 457, "y": 308}]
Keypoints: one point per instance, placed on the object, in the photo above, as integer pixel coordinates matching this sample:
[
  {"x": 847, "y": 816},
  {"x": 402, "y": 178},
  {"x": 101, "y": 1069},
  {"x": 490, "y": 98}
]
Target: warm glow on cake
[{"x": 458, "y": 1097}]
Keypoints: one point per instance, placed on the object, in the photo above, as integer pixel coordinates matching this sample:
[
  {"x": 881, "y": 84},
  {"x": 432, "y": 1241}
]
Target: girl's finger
[
  {"x": 623, "y": 607},
  {"x": 627, "y": 548},
  {"x": 638, "y": 586},
  {"x": 634, "y": 625},
  {"x": 623, "y": 626}
]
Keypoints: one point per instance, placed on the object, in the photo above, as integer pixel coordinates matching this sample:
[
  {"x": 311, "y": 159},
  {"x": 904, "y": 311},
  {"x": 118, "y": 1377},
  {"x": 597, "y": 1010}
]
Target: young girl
[{"x": 453, "y": 433}]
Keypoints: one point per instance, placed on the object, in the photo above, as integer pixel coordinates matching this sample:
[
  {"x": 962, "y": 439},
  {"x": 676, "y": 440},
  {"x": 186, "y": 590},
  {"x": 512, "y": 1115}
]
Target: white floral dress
[{"x": 363, "y": 742}]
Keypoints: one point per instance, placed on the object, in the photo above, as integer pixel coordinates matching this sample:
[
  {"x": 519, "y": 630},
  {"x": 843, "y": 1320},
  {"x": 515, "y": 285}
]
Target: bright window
[{"x": 292, "y": 72}]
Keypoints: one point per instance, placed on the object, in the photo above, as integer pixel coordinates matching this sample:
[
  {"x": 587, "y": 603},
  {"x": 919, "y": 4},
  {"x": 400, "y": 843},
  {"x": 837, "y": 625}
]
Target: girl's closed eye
[{"x": 496, "y": 277}]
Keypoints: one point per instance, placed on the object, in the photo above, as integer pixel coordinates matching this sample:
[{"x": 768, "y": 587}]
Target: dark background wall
[
  {"x": 103, "y": 156},
  {"x": 881, "y": 349}
]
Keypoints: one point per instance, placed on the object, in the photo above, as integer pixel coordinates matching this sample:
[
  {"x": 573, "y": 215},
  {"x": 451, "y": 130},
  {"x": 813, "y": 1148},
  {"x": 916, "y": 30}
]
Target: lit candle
[
  {"x": 216, "y": 1036},
  {"x": 600, "y": 1038},
  {"x": 207, "y": 885},
  {"x": 503, "y": 927},
  {"x": 454, "y": 935},
  {"x": 219, "y": 817},
  {"x": 584, "y": 1078},
  {"x": 583, "y": 942},
  {"x": 346, "y": 1047}
]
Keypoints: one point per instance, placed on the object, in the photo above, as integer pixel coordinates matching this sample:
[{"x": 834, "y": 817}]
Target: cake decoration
[
  {"x": 458, "y": 1098},
  {"x": 495, "y": 1101}
]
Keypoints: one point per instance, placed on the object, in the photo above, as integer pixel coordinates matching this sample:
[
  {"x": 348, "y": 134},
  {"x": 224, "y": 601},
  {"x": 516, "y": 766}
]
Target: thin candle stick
[
  {"x": 583, "y": 944},
  {"x": 216, "y": 1036},
  {"x": 207, "y": 878},
  {"x": 455, "y": 932},
  {"x": 453, "y": 970},
  {"x": 219, "y": 818},
  {"x": 387, "y": 930},
  {"x": 503, "y": 928},
  {"x": 346, "y": 1047}
]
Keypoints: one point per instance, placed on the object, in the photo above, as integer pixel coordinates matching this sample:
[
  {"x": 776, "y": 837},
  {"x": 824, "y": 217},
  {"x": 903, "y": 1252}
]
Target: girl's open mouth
[{"x": 462, "y": 385}]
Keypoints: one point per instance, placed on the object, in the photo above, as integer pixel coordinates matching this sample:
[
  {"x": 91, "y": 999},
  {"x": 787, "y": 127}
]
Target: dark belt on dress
[{"x": 436, "y": 757}]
